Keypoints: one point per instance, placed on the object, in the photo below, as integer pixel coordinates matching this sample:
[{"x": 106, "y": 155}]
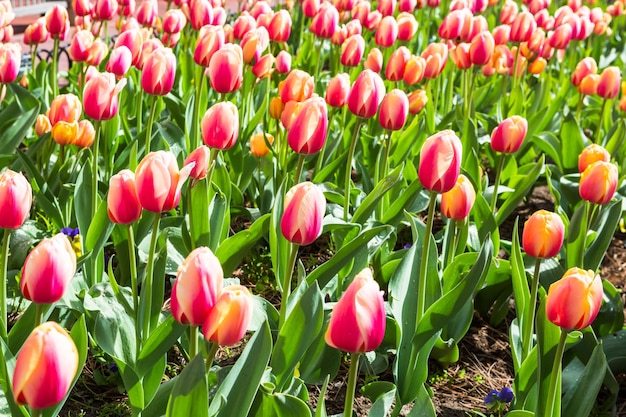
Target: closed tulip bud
[
  {"x": 440, "y": 161},
  {"x": 457, "y": 203},
  {"x": 453, "y": 23},
  {"x": 57, "y": 21},
  {"x": 258, "y": 146},
  {"x": 407, "y": 6},
  {"x": 147, "y": 13},
  {"x": 48, "y": 270},
  {"x": 609, "y": 82},
  {"x": 501, "y": 34},
  {"x": 598, "y": 182},
  {"x": 417, "y": 101},
  {"x": 10, "y": 61},
  {"x": 220, "y": 125},
  {"x": 397, "y": 63},
  {"x": 200, "y": 158},
  {"x": 509, "y": 135},
  {"x": 338, "y": 90},
  {"x": 310, "y": 7},
  {"x": 210, "y": 40},
  {"x": 523, "y": 27},
  {"x": 200, "y": 13},
  {"x": 174, "y": 21},
  {"x": 481, "y": 48},
  {"x": 100, "y": 96},
  {"x": 64, "y": 133},
  {"x": 305, "y": 206},
  {"x": 584, "y": 67},
  {"x": 561, "y": 37},
  {"x": 387, "y": 32},
  {"x": 97, "y": 52},
  {"x": 276, "y": 108},
  {"x": 197, "y": 286},
  {"x": 307, "y": 133},
  {"x": 45, "y": 367},
  {"x": 105, "y": 9},
  {"x": 244, "y": 23},
  {"x": 436, "y": 57},
  {"x": 374, "y": 60},
  {"x": 159, "y": 181},
  {"x": 259, "y": 8},
  {"x": 591, "y": 154},
  {"x": 352, "y": 51},
  {"x": 357, "y": 323},
  {"x": 360, "y": 11},
  {"x": 508, "y": 12},
  {"x": 394, "y": 110},
  {"x": 82, "y": 7},
  {"x": 283, "y": 62},
  {"x": 228, "y": 320},
  {"x": 158, "y": 72},
  {"x": 42, "y": 125},
  {"x": 16, "y": 198},
  {"x": 280, "y": 26},
  {"x": 226, "y": 69},
  {"x": 366, "y": 94},
  {"x": 119, "y": 61},
  {"x": 263, "y": 68},
  {"x": 373, "y": 21},
  {"x": 123, "y": 204},
  {"x": 36, "y": 33},
  {"x": 543, "y": 234},
  {"x": 65, "y": 107},
  {"x": 589, "y": 84},
  {"x": 298, "y": 86},
  {"x": 253, "y": 44},
  {"x": 414, "y": 70},
  {"x": 573, "y": 302},
  {"x": 386, "y": 7},
  {"x": 132, "y": 39},
  {"x": 537, "y": 66},
  {"x": 324, "y": 23},
  {"x": 478, "y": 24},
  {"x": 86, "y": 134},
  {"x": 407, "y": 26},
  {"x": 460, "y": 55}
]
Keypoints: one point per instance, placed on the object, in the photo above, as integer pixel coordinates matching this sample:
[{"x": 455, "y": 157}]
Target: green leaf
[
  {"x": 232, "y": 250},
  {"x": 520, "y": 413},
  {"x": 238, "y": 389},
  {"x": 7, "y": 366},
  {"x": 369, "y": 204},
  {"x": 547, "y": 340},
  {"x": 189, "y": 396},
  {"x": 607, "y": 220},
  {"x": 521, "y": 190},
  {"x": 199, "y": 213},
  {"x": 382, "y": 394},
  {"x": 521, "y": 293},
  {"x": 158, "y": 344},
  {"x": 573, "y": 141},
  {"x": 280, "y": 405},
  {"x": 15, "y": 123},
  {"x": 99, "y": 230},
  {"x": 423, "y": 406},
  {"x": 584, "y": 384}
]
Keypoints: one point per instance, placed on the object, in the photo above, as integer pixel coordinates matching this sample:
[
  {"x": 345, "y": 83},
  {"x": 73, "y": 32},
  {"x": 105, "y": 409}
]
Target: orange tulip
[
  {"x": 123, "y": 205},
  {"x": 598, "y": 182},
  {"x": 417, "y": 101},
  {"x": 573, "y": 302},
  {"x": 609, "y": 82},
  {"x": 298, "y": 86},
  {"x": 42, "y": 125},
  {"x": 585, "y": 66},
  {"x": 589, "y": 84},
  {"x": 414, "y": 70},
  {"x": 374, "y": 60},
  {"x": 407, "y": 26},
  {"x": 86, "y": 134},
  {"x": 258, "y": 146},
  {"x": 457, "y": 203},
  {"x": 591, "y": 154},
  {"x": 543, "y": 234},
  {"x": 228, "y": 320}
]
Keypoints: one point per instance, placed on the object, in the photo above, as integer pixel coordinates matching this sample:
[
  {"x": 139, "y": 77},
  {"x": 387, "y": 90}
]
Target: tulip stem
[
  {"x": 139, "y": 114},
  {"x": 147, "y": 282},
  {"x": 193, "y": 342},
  {"x": 286, "y": 287},
  {"x": 296, "y": 179},
  {"x": 599, "y": 130},
  {"x": 529, "y": 319},
  {"x": 55, "y": 59},
  {"x": 134, "y": 286},
  {"x": 421, "y": 295},
  {"x": 352, "y": 377},
  {"x": 150, "y": 123},
  {"x": 36, "y": 412},
  {"x": 3, "y": 281},
  {"x": 38, "y": 314},
  {"x": 496, "y": 183},
  {"x": 346, "y": 188},
  {"x": 554, "y": 376},
  {"x": 454, "y": 242},
  {"x": 212, "y": 348},
  {"x": 195, "y": 126},
  {"x": 93, "y": 261}
]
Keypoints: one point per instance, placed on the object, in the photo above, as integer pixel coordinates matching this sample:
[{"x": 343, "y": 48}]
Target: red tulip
[
  {"x": 133, "y": 40},
  {"x": 200, "y": 13},
  {"x": 119, "y": 61},
  {"x": 220, "y": 125},
  {"x": 307, "y": 133},
  {"x": 407, "y": 26},
  {"x": 543, "y": 234},
  {"x": 16, "y": 198},
  {"x": 45, "y": 367},
  {"x": 226, "y": 69},
  {"x": 48, "y": 270},
  {"x": 523, "y": 27},
  {"x": 509, "y": 135},
  {"x": 573, "y": 302},
  {"x": 36, "y": 32},
  {"x": 609, "y": 82},
  {"x": 457, "y": 203},
  {"x": 305, "y": 206},
  {"x": 481, "y": 48},
  {"x": 174, "y": 21},
  {"x": 57, "y": 21},
  {"x": 105, "y": 9},
  {"x": 228, "y": 320},
  {"x": 366, "y": 94},
  {"x": 197, "y": 287},
  {"x": 243, "y": 24},
  {"x": 158, "y": 72},
  {"x": 100, "y": 96},
  {"x": 598, "y": 182},
  {"x": 123, "y": 204},
  {"x": 357, "y": 323},
  {"x": 440, "y": 161}
]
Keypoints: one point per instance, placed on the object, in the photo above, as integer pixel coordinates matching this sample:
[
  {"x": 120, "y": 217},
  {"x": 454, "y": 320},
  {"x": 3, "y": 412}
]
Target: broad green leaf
[
  {"x": 586, "y": 382},
  {"x": 198, "y": 210},
  {"x": 99, "y": 230},
  {"x": 573, "y": 140},
  {"x": 232, "y": 250},
  {"x": 158, "y": 406},
  {"x": 382, "y": 394},
  {"x": 607, "y": 220},
  {"x": 158, "y": 344},
  {"x": 280, "y": 405},
  {"x": 521, "y": 190},
  {"x": 423, "y": 405},
  {"x": 15, "y": 123},
  {"x": 189, "y": 396},
  {"x": 369, "y": 204}
]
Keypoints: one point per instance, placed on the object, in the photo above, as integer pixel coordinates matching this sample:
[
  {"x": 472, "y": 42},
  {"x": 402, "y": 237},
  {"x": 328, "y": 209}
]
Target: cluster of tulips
[{"x": 352, "y": 119}]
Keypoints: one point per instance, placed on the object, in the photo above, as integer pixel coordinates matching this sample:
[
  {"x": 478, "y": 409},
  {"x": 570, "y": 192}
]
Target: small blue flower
[
  {"x": 70, "y": 232},
  {"x": 113, "y": 367},
  {"x": 492, "y": 396},
  {"x": 506, "y": 395},
  {"x": 407, "y": 246}
]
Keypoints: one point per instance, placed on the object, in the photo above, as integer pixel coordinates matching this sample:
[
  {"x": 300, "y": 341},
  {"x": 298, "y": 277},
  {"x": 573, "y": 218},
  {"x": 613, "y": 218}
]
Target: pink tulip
[
  {"x": 366, "y": 94},
  {"x": 123, "y": 204},
  {"x": 598, "y": 182},
  {"x": 65, "y": 108},
  {"x": 325, "y": 22},
  {"x": 387, "y": 32},
  {"x": 210, "y": 40},
  {"x": 283, "y": 62},
  {"x": 16, "y": 199},
  {"x": 10, "y": 61},
  {"x": 57, "y": 21},
  {"x": 440, "y": 161},
  {"x": 357, "y": 323},
  {"x": 45, "y": 367},
  {"x": 105, "y": 9},
  {"x": 48, "y": 270},
  {"x": 609, "y": 82},
  {"x": 158, "y": 72},
  {"x": 394, "y": 110},
  {"x": 509, "y": 135},
  {"x": 197, "y": 287},
  {"x": 573, "y": 302},
  {"x": 226, "y": 69},
  {"x": 200, "y": 158},
  {"x": 305, "y": 206},
  {"x": 228, "y": 320},
  {"x": 119, "y": 61},
  {"x": 220, "y": 125},
  {"x": 338, "y": 90},
  {"x": 307, "y": 134},
  {"x": 100, "y": 96},
  {"x": 543, "y": 234}
]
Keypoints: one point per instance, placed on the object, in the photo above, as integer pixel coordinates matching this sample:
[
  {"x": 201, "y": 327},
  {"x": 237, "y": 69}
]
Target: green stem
[
  {"x": 352, "y": 377},
  {"x": 139, "y": 114},
  {"x": 346, "y": 201},
  {"x": 529, "y": 318},
  {"x": 212, "y": 348},
  {"x": 134, "y": 286},
  {"x": 286, "y": 284},
  {"x": 454, "y": 242},
  {"x": 148, "y": 278},
  {"x": 190, "y": 214},
  {"x": 584, "y": 227},
  {"x": 36, "y": 413},
  {"x": 554, "y": 376},
  {"x": 193, "y": 342},
  {"x": 150, "y": 123},
  {"x": 39, "y": 313},
  {"x": 494, "y": 197},
  {"x": 33, "y": 57},
  {"x": 55, "y": 59},
  {"x": 296, "y": 179},
  {"x": 195, "y": 126},
  {"x": 94, "y": 194},
  {"x": 4, "y": 256},
  {"x": 421, "y": 290},
  {"x": 599, "y": 130}
]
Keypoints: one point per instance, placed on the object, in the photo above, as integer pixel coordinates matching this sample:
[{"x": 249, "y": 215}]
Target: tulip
[
  {"x": 481, "y": 48},
  {"x": 357, "y": 323},
  {"x": 397, "y": 64},
  {"x": 374, "y": 20},
  {"x": 280, "y": 26},
  {"x": 457, "y": 203},
  {"x": 45, "y": 367},
  {"x": 589, "y": 84},
  {"x": 366, "y": 94},
  {"x": 283, "y": 62},
  {"x": 338, "y": 90},
  {"x": 523, "y": 27},
  {"x": 200, "y": 13},
  {"x": 598, "y": 182},
  {"x": 508, "y": 12},
  {"x": 374, "y": 60},
  {"x": 414, "y": 70},
  {"x": 16, "y": 198},
  {"x": 436, "y": 56},
  {"x": 453, "y": 23},
  {"x": 609, "y": 83},
  {"x": 86, "y": 134},
  {"x": 386, "y": 7},
  {"x": 123, "y": 204},
  {"x": 220, "y": 125},
  {"x": 158, "y": 72},
  {"x": 310, "y": 7},
  {"x": 147, "y": 49},
  {"x": 64, "y": 133},
  {"x": 461, "y": 56},
  {"x": 298, "y": 86},
  {"x": 591, "y": 154},
  {"x": 42, "y": 125},
  {"x": 197, "y": 286},
  {"x": 253, "y": 44},
  {"x": 276, "y": 108},
  {"x": 133, "y": 40},
  {"x": 289, "y": 113},
  {"x": 585, "y": 66},
  {"x": 258, "y": 146},
  {"x": 226, "y": 69},
  {"x": 501, "y": 34},
  {"x": 200, "y": 158},
  {"x": 120, "y": 61},
  {"x": 48, "y": 270},
  {"x": 305, "y": 206},
  {"x": 100, "y": 96},
  {"x": 210, "y": 40},
  {"x": 440, "y": 161},
  {"x": 263, "y": 67},
  {"x": 174, "y": 21},
  {"x": 96, "y": 52},
  {"x": 57, "y": 21},
  {"x": 509, "y": 135},
  {"x": 228, "y": 320},
  {"x": 10, "y": 61},
  {"x": 105, "y": 9},
  {"x": 573, "y": 302},
  {"x": 543, "y": 234},
  {"x": 36, "y": 33},
  {"x": 82, "y": 7},
  {"x": 324, "y": 23},
  {"x": 352, "y": 51},
  {"x": 387, "y": 32},
  {"x": 159, "y": 181},
  {"x": 243, "y": 24},
  {"x": 394, "y": 109},
  {"x": 307, "y": 133},
  {"x": 407, "y": 26},
  {"x": 66, "y": 108},
  {"x": 417, "y": 101}
]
